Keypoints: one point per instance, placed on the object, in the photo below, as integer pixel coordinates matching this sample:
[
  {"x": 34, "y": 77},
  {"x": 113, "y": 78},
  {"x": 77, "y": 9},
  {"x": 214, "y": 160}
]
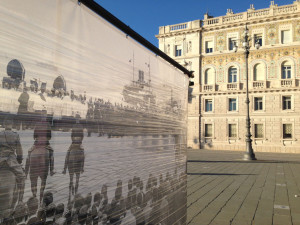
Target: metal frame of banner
[{"x": 92, "y": 5}]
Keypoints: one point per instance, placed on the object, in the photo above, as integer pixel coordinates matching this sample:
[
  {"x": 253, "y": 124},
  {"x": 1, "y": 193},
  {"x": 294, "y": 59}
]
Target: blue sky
[{"x": 145, "y": 16}]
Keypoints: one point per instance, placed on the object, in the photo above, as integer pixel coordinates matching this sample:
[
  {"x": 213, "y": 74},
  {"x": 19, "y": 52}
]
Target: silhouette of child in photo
[
  {"x": 76, "y": 146},
  {"x": 42, "y": 136}
]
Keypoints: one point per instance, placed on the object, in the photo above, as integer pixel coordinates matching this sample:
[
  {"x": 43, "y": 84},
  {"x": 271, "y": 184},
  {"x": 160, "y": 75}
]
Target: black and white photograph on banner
[{"x": 92, "y": 124}]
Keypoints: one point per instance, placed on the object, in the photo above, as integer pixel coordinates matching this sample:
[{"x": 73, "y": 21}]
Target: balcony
[
  {"x": 208, "y": 88},
  {"x": 259, "y": 84},
  {"x": 233, "y": 86},
  {"x": 287, "y": 83}
]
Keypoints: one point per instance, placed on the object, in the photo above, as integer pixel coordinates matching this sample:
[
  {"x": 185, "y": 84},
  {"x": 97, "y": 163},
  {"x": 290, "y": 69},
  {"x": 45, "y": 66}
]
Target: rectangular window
[
  {"x": 258, "y": 39},
  {"x": 208, "y": 130},
  {"x": 232, "y": 131},
  {"x": 258, "y": 131},
  {"x": 286, "y": 102},
  {"x": 232, "y": 75},
  {"x": 208, "y": 105},
  {"x": 258, "y": 103},
  {"x": 208, "y": 46},
  {"x": 287, "y": 131},
  {"x": 286, "y": 72},
  {"x": 285, "y": 36},
  {"x": 232, "y": 43},
  {"x": 178, "y": 50},
  {"x": 232, "y": 104}
]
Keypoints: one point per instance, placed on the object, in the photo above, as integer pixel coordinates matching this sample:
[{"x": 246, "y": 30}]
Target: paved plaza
[{"x": 223, "y": 189}]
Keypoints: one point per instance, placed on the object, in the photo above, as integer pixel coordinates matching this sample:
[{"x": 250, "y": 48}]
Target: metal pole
[{"x": 249, "y": 155}]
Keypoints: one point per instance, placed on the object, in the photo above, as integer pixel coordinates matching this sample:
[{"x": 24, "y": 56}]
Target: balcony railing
[
  {"x": 287, "y": 83},
  {"x": 234, "y": 17},
  {"x": 286, "y": 9},
  {"x": 211, "y": 21},
  {"x": 259, "y": 13},
  {"x": 274, "y": 10},
  {"x": 259, "y": 84},
  {"x": 208, "y": 87},
  {"x": 181, "y": 26},
  {"x": 233, "y": 86}
]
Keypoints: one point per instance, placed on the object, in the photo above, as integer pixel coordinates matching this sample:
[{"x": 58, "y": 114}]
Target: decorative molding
[
  {"x": 221, "y": 44},
  {"x": 220, "y": 76},
  {"x": 272, "y": 34},
  {"x": 272, "y": 70},
  {"x": 296, "y": 30}
]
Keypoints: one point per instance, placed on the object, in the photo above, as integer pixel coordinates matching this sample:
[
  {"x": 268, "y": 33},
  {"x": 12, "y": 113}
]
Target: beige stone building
[{"x": 217, "y": 108}]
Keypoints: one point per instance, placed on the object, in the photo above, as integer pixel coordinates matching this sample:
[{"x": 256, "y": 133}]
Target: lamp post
[{"x": 249, "y": 155}]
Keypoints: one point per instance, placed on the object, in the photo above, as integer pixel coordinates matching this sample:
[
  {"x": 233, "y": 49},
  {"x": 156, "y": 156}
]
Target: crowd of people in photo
[
  {"x": 61, "y": 104},
  {"x": 153, "y": 204},
  {"x": 97, "y": 107},
  {"x": 161, "y": 201}
]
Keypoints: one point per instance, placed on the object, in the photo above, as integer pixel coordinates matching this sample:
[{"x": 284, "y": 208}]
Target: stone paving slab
[{"x": 224, "y": 189}]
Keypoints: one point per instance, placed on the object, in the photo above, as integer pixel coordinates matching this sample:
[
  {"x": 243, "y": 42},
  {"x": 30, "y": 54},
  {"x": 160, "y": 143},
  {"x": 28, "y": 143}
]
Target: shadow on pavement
[
  {"x": 241, "y": 161},
  {"x": 221, "y": 174}
]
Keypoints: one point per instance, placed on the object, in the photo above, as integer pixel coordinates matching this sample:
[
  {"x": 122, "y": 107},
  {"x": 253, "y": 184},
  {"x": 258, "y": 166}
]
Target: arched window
[
  {"x": 258, "y": 72},
  {"x": 286, "y": 70},
  {"x": 209, "y": 76},
  {"x": 232, "y": 75}
]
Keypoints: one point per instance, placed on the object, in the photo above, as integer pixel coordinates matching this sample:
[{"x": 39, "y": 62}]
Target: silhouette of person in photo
[
  {"x": 42, "y": 136},
  {"x": 11, "y": 154},
  {"x": 74, "y": 160},
  {"x": 32, "y": 205},
  {"x": 59, "y": 218},
  {"x": 23, "y": 109},
  {"x": 117, "y": 209},
  {"x": 40, "y": 156}
]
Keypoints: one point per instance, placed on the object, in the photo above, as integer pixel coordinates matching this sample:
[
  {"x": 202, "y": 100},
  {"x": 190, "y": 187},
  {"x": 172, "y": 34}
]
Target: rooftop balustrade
[{"x": 251, "y": 14}]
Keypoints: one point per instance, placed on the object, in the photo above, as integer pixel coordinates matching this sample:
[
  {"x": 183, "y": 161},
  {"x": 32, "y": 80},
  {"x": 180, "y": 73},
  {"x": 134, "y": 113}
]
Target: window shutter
[
  {"x": 259, "y": 72},
  {"x": 232, "y": 130},
  {"x": 285, "y": 36},
  {"x": 259, "y": 131},
  {"x": 209, "y": 79},
  {"x": 208, "y": 130},
  {"x": 287, "y": 130},
  {"x": 209, "y": 44}
]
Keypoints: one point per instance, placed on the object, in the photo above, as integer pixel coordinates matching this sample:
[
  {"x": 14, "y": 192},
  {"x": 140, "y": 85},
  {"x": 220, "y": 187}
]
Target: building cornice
[
  {"x": 174, "y": 34},
  {"x": 243, "y": 92},
  {"x": 251, "y": 23},
  {"x": 252, "y": 16},
  {"x": 180, "y": 29},
  {"x": 259, "y": 54}
]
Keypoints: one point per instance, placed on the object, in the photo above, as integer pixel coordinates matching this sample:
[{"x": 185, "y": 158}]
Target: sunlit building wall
[{"x": 217, "y": 108}]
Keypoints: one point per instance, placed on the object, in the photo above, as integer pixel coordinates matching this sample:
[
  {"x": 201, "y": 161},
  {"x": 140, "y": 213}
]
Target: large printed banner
[{"x": 93, "y": 125}]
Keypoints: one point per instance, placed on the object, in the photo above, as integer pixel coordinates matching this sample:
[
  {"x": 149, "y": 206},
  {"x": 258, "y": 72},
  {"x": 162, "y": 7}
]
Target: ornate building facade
[{"x": 213, "y": 49}]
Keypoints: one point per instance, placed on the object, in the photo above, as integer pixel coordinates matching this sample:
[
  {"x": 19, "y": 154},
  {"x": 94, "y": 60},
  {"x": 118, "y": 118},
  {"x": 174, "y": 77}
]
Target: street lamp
[{"x": 249, "y": 155}]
